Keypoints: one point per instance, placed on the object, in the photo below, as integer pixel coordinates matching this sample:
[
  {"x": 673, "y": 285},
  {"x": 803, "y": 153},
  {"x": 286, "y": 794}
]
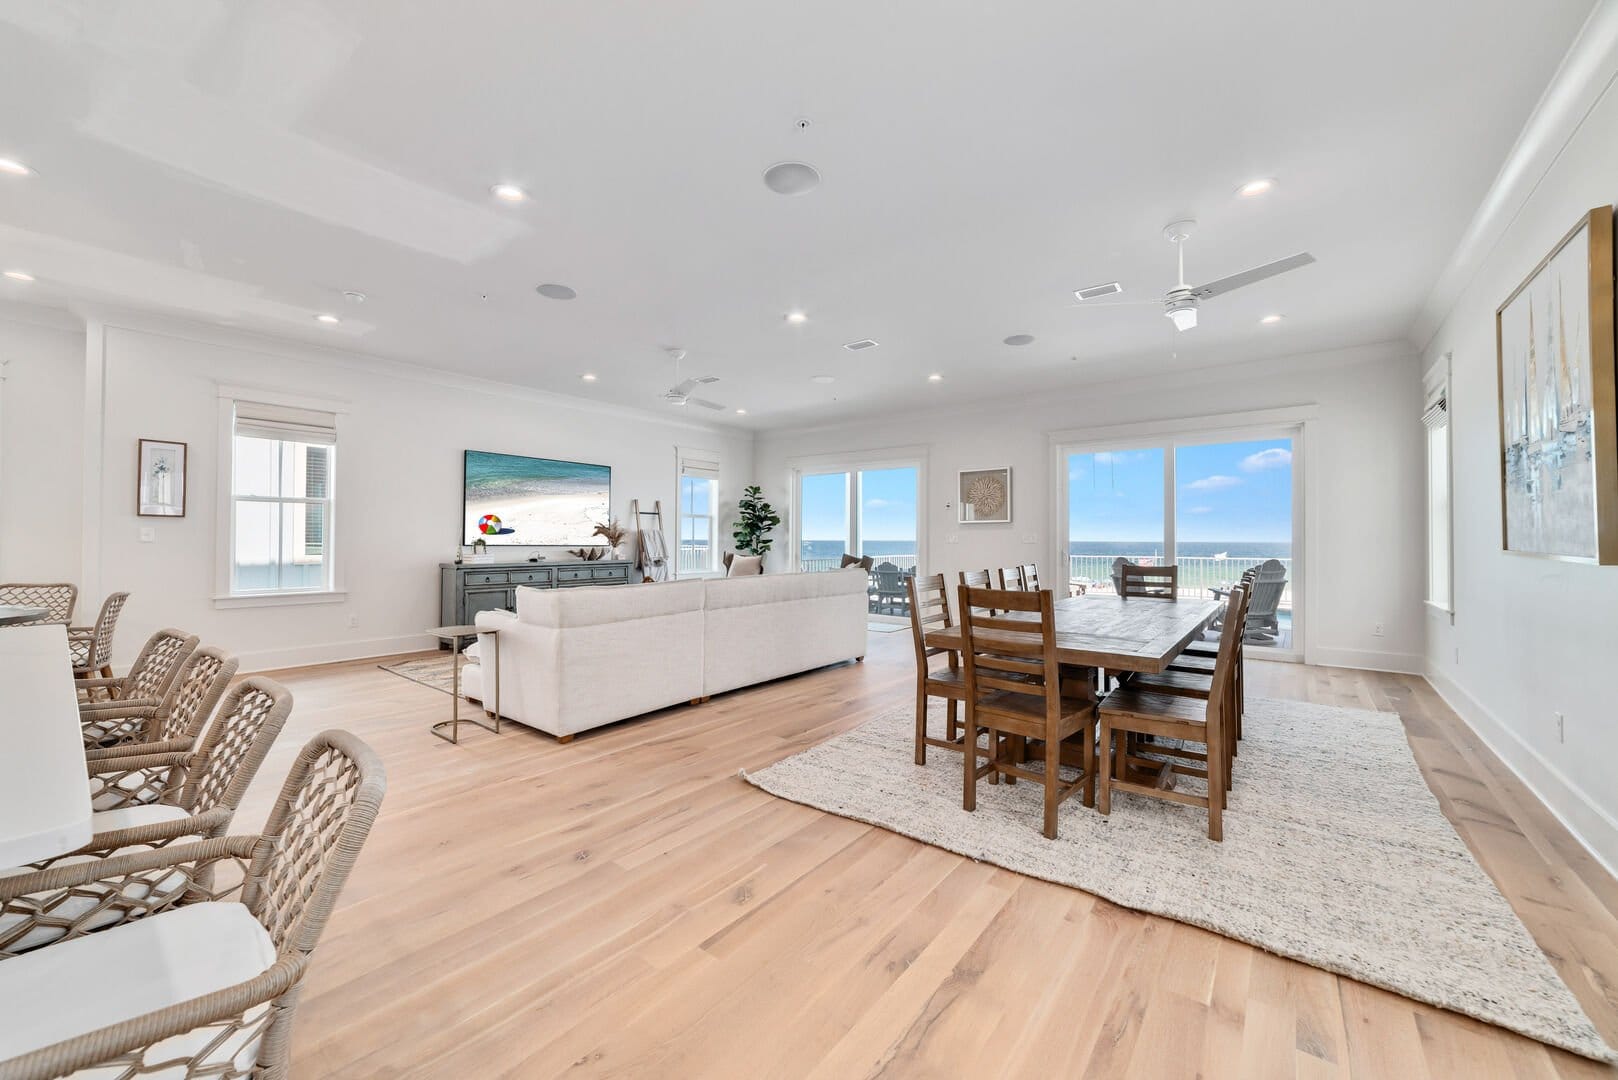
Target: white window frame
[
  {"x": 225, "y": 501},
  {"x": 1295, "y": 423},
  {"x": 702, "y": 464},
  {"x": 899, "y": 457},
  {"x": 1440, "y": 524}
]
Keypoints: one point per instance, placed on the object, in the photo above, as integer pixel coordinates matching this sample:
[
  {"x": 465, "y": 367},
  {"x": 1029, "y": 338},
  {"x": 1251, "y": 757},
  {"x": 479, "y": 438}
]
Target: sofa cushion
[
  {"x": 592, "y": 606},
  {"x": 778, "y": 588},
  {"x": 114, "y": 975}
]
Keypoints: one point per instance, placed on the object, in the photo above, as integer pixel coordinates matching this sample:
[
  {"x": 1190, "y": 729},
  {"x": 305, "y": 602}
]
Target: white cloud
[
  {"x": 1276, "y": 457},
  {"x": 876, "y": 504},
  {"x": 1214, "y": 483},
  {"x": 1199, "y": 510}
]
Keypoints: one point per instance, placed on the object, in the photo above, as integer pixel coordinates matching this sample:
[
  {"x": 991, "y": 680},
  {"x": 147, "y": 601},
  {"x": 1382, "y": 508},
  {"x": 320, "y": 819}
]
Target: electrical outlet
[
  {"x": 952, "y": 538},
  {"x": 1457, "y": 656},
  {"x": 1030, "y": 538},
  {"x": 353, "y": 622},
  {"x": 147, "y": 534},
  {"x": 1378, "y": 629},
  {"x": 1561, "y": 727}
]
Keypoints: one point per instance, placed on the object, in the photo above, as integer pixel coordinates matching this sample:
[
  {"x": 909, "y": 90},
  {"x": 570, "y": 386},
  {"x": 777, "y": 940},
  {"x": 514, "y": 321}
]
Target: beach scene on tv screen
[{"x": 535, "y": 502}]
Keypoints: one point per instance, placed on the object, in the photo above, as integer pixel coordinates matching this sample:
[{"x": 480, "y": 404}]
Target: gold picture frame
[{"x": 1558, "y": 404}]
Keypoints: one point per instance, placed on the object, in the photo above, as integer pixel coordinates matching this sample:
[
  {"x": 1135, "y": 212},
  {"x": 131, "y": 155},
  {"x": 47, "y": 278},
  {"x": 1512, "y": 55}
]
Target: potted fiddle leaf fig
[{"x": 752, "y": 533}]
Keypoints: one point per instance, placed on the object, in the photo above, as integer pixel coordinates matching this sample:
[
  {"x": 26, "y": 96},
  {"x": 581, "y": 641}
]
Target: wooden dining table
[{"x": 1113, "y": 633}]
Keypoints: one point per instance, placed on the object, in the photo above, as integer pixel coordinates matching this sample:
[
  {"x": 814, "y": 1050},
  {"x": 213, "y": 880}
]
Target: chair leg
[
  {"x": 921, "y": 725},
  {"x": 969, "y": 792},
  {"x": 1053, "y": 760},
  {"x": 1104, "y": 796},
  {"x": 1089, "y": 765},
  {"x": 1216, "y": 785},
  {"x": 952, "y": 718}
]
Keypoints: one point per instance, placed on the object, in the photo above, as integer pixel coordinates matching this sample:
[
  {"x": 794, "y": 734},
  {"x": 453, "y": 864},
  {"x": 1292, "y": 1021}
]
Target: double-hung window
[
  {"x": 699, "y": 516},
  {"x": 283, "y": 485}
]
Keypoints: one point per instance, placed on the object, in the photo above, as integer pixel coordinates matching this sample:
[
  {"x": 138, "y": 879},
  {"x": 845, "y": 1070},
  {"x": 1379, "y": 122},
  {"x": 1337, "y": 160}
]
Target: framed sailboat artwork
[{"x": 1558, "y": 428}]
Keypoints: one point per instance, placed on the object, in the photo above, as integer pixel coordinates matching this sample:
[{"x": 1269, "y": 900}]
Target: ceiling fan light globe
[{"x": 1183, "y": 318}]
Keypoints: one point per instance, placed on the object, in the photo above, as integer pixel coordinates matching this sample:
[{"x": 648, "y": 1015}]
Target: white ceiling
[{"x": 246, "y": 162}]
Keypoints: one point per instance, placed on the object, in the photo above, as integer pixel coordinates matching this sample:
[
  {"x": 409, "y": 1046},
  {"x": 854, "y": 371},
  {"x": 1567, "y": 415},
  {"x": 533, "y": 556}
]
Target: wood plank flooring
[{"x": 627, "y": 906}]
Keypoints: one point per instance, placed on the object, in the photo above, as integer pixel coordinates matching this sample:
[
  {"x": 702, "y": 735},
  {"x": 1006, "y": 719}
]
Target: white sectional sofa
[{"x": 575, "y": 659}]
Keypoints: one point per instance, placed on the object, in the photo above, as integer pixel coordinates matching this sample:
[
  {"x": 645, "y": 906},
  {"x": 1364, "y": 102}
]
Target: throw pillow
[{"x": 746, "y": 565}]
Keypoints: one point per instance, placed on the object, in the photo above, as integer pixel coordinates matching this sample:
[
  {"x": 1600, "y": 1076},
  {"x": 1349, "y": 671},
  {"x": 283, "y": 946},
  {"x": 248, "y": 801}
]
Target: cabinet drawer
[
  {"x": 609, "y": 573},
  {"x": 573, "y": 573},
  {"x": 530, "y": 577},
  {"x": 486, "y": 579}
]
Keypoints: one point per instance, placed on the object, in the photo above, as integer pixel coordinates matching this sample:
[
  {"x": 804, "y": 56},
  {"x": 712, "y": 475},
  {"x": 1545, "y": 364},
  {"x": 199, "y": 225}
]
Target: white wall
[
  {"x": 1365, "y": 444},
  {"x": 41, "y": 413},
  {"x": 1531, "y": 637},
  {"x": 401, "y": 435}
]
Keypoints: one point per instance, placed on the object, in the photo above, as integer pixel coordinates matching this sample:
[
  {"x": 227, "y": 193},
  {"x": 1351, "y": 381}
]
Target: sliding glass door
[
  {"x": 865, "y": 512},
  {"x": 1212, "y": 506}
]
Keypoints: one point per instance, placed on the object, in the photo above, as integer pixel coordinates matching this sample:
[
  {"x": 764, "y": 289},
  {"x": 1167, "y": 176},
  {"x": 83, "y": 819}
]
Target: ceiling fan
[
  {"x": 1182, "y": 301},
  {"x": 680, "y": 392}
]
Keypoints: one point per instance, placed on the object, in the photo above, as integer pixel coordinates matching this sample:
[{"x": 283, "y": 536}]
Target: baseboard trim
[
  {"x": 1367, "y": 660},
  {"x": 1589, "y": 824},
  {"x": 334, "y": 652}
]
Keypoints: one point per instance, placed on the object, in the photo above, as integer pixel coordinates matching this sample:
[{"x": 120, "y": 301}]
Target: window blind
[{"x": 259, "y": 420}]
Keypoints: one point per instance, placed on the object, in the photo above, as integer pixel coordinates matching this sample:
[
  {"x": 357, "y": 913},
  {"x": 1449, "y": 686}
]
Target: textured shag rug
[{"x": 1336, "y": 853}]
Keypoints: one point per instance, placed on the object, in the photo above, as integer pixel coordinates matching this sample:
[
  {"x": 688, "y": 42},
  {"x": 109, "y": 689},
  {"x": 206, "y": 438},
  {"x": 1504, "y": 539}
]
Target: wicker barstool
[
  {"x": 153, "y": 800},
  {"x": 57, "y": 598},
  {"x": 232, "y": 970},
  {"x": 91, "y": 646},
  {"x": 169, "y": 725}
]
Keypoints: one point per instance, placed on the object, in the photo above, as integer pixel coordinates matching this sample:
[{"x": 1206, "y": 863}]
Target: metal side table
[{"x": 455, "y": 635}]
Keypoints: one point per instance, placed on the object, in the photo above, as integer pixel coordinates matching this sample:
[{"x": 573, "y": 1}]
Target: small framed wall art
[
  {"x": 984, "y": 497},
  {"x": 160, "y": 479}
]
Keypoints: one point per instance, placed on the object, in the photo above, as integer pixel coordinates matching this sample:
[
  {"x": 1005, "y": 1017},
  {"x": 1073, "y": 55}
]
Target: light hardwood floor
[{"x": 627, "y": 906}]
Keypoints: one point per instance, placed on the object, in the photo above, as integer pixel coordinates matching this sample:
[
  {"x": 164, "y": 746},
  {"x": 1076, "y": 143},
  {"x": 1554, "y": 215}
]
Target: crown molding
[{"x": 1584, "y": 76}]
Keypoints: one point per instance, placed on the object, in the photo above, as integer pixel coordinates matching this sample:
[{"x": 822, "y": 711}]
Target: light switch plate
[{"x": 147, "y": 534}]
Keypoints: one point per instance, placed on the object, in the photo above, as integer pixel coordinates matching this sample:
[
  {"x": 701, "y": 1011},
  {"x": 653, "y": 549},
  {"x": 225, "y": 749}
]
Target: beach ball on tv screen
[{"x": 489, "y": 525}]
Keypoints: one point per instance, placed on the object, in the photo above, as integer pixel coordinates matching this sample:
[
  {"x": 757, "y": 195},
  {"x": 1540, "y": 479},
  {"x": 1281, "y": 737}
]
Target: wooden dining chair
[
  {"x": 1030, "y": 576},
  {"x": 929, "y": 610},
  {"x": 1014, "y": 689},
  {"x": 1010, "y": 579},
  {"x": 1158, "y": 582},
  {"x": 1130, "y": 712},
  {"x": 1192, "y": 675},
  {"x": 976, "y": 579}
]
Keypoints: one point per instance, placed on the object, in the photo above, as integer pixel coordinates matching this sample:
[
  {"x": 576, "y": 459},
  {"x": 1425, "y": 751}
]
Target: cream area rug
[{"x": 1335, "y": 853}]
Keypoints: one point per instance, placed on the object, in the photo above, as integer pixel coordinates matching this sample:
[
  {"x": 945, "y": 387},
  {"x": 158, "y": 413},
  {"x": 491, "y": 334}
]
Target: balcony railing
[
  {"x": 902, "y": 562},
  {"x": 1198, "y": 573}
]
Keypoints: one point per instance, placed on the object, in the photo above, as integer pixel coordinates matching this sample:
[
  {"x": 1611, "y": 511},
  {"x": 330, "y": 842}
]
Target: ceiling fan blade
[
  {"x": 706, "y": 379},
  {"x": 1248, "y": 277},
  {"x": 689, "y": 385},
  {"x": 1156, "y": 302},
  {"x": 703, "y": 404}
]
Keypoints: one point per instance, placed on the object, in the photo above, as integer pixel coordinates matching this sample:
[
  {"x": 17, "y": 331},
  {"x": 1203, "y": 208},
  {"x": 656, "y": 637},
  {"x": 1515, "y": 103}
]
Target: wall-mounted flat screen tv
[{"x": 526, "y": 501}]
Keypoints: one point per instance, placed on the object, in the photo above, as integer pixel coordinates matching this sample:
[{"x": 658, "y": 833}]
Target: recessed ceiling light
[
  {"x": 18, "y": 275},
  {"x": 741, "y": 412},
  {"x": 823, "y": 378},
  {"x": 935, "y": 377},
  {"x": 587, "y": 377},
  {"x": 1260, "y": 186},
  {"x": 1098, "y": 290},
  {"x": 508, "y": 193},
  {"x": 1020, "y": 339},
  {"x": 791, "y": 178},
  {"x": 1270, "y": 320},
  {"x": 797, "y": 318},
  {"x": 354, "y": 296},
  {"x": 14, "y": 167},
  {"x": 552, "y": 291},
  {"x": 329, "y": 320},
  {"x": 863, "y": 343}
]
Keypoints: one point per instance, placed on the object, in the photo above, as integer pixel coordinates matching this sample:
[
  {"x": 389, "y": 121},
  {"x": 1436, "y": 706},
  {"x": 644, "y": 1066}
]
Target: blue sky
[
  {"x": 887, "y": 505},
  {"x": 1226, "y": 492}
]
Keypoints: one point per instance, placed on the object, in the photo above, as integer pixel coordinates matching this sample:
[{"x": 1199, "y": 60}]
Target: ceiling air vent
[
  {"x": 863, "y": 343},
  {"x": 1098, "y": 290}
]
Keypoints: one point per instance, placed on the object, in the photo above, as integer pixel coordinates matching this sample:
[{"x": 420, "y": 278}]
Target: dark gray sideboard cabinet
[{"x": 464, "y": 589}]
